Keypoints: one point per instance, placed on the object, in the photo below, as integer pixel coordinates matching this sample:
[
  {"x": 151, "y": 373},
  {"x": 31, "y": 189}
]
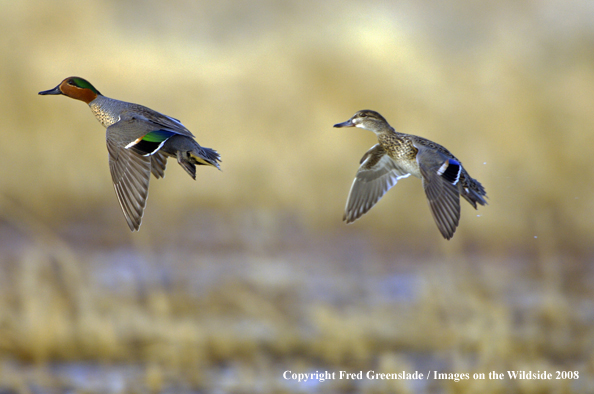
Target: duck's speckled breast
[
  {"x": 106, "y": 110},
  {"x": 402, "y": 151},
  {"x": 398, "y": 148}
]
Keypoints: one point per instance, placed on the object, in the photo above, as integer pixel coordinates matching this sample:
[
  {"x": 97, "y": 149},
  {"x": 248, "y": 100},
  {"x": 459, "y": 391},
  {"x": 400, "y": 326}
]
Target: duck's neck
[{"x": 385, "y": 131}]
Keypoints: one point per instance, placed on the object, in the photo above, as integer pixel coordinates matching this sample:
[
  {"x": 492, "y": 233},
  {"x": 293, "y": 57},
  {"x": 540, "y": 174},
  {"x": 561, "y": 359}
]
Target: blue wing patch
[{"x": 450, "y": 171}]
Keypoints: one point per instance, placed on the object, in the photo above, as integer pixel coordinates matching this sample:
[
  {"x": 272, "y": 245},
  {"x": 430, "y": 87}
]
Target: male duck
[
  {"x": 399, "y": 155},
  {"x": 139, "y": 140}
]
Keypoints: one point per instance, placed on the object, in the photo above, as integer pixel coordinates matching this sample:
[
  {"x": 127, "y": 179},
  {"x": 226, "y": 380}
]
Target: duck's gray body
[
  {"x": 139, "y": 141},
  {"x": 129, "y": 131}
]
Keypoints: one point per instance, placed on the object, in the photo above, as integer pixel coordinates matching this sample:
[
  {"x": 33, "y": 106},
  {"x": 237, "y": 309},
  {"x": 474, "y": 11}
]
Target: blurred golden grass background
[{"x": 248, "y": 272}]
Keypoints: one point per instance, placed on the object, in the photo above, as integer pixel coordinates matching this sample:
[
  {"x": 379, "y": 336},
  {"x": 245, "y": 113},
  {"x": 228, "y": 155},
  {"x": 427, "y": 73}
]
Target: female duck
[{"x": 399, "y": 155}]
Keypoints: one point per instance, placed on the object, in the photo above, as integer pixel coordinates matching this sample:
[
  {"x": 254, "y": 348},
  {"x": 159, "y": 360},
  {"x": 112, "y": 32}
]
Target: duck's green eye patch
[{"x": 82, "y": 84}]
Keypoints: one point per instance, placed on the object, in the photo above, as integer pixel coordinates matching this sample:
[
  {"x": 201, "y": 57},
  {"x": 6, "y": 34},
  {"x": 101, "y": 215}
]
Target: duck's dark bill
[
  {"x": 348, "y": 123},
  {"x": 55, "y": 90}
]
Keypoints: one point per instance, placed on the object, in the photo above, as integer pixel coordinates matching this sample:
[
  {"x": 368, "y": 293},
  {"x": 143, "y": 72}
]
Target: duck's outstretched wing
[
  {"x": 130, "y": 173},
  {"x": 441, "y": 175},
  {"x": 377, "y": 174}
]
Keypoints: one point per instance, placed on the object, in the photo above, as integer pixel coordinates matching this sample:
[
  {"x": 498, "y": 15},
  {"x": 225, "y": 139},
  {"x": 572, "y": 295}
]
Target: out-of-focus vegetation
[
  {"x": 250, "y": 270},
  {"x": 236, "y": 321}
]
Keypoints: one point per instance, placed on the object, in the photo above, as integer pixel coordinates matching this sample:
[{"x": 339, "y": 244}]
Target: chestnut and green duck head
[
  {"x": 76, "y": 88},
  {"x": 139, "y": 141}
]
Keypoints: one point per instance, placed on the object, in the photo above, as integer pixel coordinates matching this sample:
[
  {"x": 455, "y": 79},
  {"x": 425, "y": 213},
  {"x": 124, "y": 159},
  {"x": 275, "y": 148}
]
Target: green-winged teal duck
[
  {"x": 399, "y": 155},
  {"x": 139, "y": 141}
]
